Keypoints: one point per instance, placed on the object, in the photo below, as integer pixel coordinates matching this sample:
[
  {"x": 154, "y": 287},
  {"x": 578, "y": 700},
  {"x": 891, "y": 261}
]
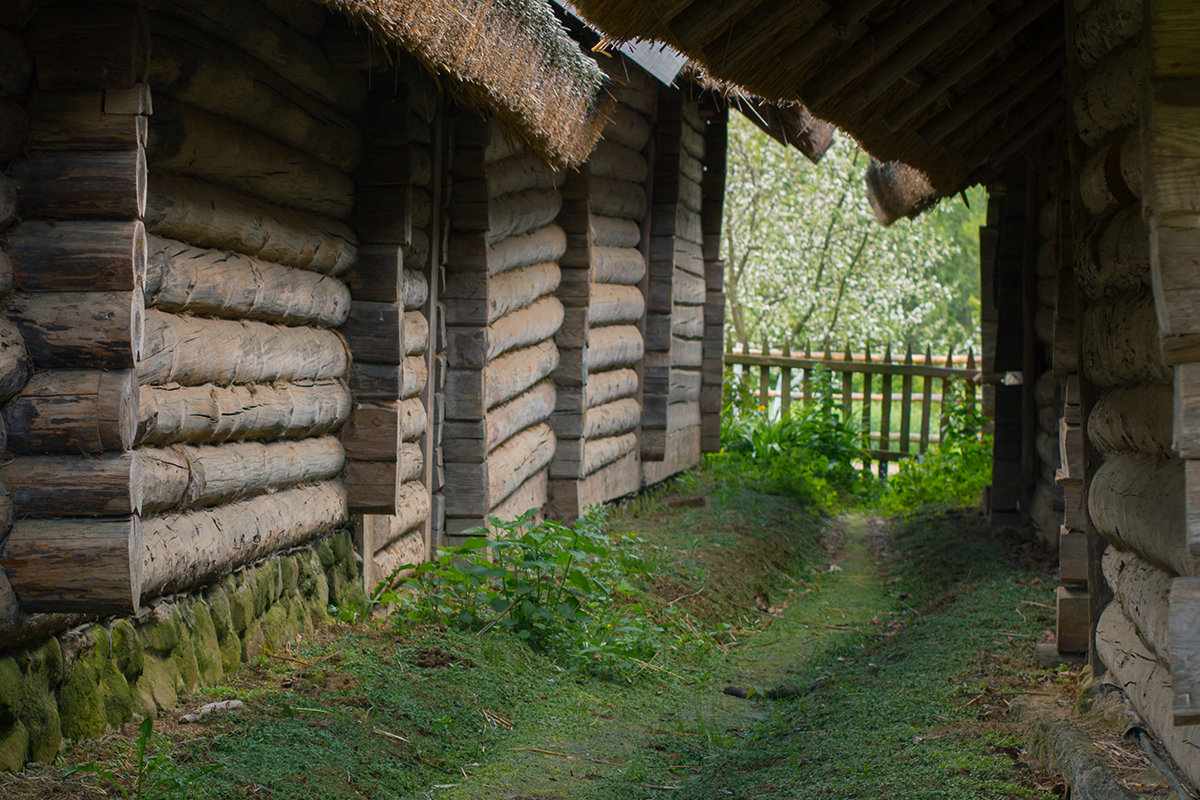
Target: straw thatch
[
  {"x": 510, "y": 56},
  {"x": 897, "y": 190},
  {"x": 941, "y": 85}
]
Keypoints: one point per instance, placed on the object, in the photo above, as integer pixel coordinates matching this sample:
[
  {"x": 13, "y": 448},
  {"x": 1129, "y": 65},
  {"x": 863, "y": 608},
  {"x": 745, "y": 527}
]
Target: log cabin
[{"x": 296, "y": 290}]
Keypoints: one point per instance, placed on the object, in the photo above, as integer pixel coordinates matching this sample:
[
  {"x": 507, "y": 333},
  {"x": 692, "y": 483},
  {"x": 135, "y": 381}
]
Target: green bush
[
  {"x": 565, "y": 590},
  {"x": 951, "y": 474}
]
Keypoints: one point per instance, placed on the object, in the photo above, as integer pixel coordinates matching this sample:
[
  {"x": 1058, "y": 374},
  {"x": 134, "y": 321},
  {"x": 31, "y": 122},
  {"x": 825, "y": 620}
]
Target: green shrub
[{"x": 565, "y": 590}]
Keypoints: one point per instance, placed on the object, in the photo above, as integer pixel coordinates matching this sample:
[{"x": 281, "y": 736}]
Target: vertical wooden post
[
  {"x": 764, "y": 379},
  {"x": 926, "y": 401},
  {"x": 906, "y": 384},
  {"x": 885, "y": 413},
  {"x": 785, "y": 382},
  {"x": 807, "y": 383},
  {"x": 847, "y": 385},
  {"x": 866, "y": 409},
  {"x": 970, "y": 384},
  {"x": 944, "y": 418}
]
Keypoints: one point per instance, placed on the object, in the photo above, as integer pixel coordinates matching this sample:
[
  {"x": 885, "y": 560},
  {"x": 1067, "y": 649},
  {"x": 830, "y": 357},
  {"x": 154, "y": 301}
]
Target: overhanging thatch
[
  {"x": 949, "y": 87},
  {"x": 510, "y": 56}
]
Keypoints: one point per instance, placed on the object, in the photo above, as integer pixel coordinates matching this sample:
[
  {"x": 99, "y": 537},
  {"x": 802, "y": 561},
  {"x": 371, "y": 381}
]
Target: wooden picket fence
[{"x": 865, "y": 387}]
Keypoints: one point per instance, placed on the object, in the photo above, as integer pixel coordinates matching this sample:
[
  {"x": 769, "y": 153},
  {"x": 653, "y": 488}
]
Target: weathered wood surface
[
  {"x": 599, "y": 453},
  {"x": 519, "y": 213},
  {"x": 187, "y": 141},
  {"x": 507, "y": 292},
  {"x": 82, "y": 184},
  {"x": 1116, "y": 257},
  {"x": 539, "y": 246},
  {"x": 1138, "y": 503},
  {"x": 188, "y": 476},
  {"x": 64, "y": 330},
  {"x": 375, "y": 332},
  {"x": 8, "y": 201},
  {"x": 515, "y": 372},
  {"x": 15, "y": 65},
  {"x": 15, "y": 363},
  {"x": 471, "y": 441},
  {"x": 89, "y": 566},
  {"x": 374, "y": 431},
  {"x": 107, "y": 485},
  {"x": 14, "y": 129},
  {"x": 1112, "y": 176},
  {"x": 414, "y": 290},
  {"x": 616, "y": 304},
  {"x": 412, "y": 509},
  {"x": 617, "y": 198},
  {"x": 209, "y": 74},
  {"x": 612, "y": 419},
  {"x": 613, "y": 346},
  {"x": 185, "y": 550},
  {"x": 390, "y": 559},
  {"x": 627, "y": 128},
  {"x": 510, "y": 464},
  {"x": 89, "y": 119},
  {"x": 210, "y": 216},
  {"x": 1184, "y": 649},
  {"x": 520, "y": 172},
  {"x": 1146, "y": 682},
  {"x": 1110, "y": 96},
  {"x": 619, "y": 265},
  {"x": 604, "y": 387},
  {"x": 1133, "y": 419},
  {"x": 617, "y": 162},
  {"x": 1142, "y": 589},
  {"x": 613, "y": 232},
  {"x": 1102, "y": 26},
  {"x": 212, "y": 414},
  {"x": 265, "y": 35},
  {"x": 524, "y": 327},
  {"x": 224, "y": 284},
  {"x": 77, "y": 256},
  {"x": 416, "y": 333},
  {"x": 191, "y": 351},
  {"x": 371, "y": 486},
  {"x": 74, "y": 411},
  {"x": 1120, "y": 342},
  {"x": 533, "y": 494}
]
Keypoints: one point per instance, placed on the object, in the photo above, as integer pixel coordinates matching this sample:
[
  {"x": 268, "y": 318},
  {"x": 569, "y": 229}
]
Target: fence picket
[
  {"x": 885, "y": 414},
  {"x": 785, "y": 381},
  {"x": 847, "y": 386},
  {"x": 906, "y": 387},
  {"x": 868, "y": 379},
  {"x": 926, "y": 401},
  {"x": 764, "y": 378}
]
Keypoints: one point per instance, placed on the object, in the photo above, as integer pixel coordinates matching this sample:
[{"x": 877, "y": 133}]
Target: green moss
[
  {"x": 252, "y": 642},
  {"x": 218, "y": 609},
  {"x": 80, "y": 700},
  {"x": 264, "y": 580},
  {"x": 206, "y": 645},
  {"x": 42, "y": 667},
  {"x": 289, "y": 575},
  {"x": 45, "y": 661},
  {"x": 160, "y": 680},
  {"x": 12, "y": 689},
  {"x": 325, "y": 553},
  {"x": 241, "y": 606},
  {"x": 275, "y": 627},
  {"x": 161, "y": 633},
  {"x": 141, "y": 698},
  {"x": 126, "y": 649},
  {"x": 14, "y": 744},
  {"x": 184, "y": 656},
  {"x": 117, "y": 697}
]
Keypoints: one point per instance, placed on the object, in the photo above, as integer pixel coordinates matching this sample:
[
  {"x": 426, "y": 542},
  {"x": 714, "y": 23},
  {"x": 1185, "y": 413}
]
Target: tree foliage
[{"x": 807, "y": 261}]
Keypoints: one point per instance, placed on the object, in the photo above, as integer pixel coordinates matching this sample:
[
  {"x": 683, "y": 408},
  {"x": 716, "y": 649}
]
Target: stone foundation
[{"x": 81, "y": 683}]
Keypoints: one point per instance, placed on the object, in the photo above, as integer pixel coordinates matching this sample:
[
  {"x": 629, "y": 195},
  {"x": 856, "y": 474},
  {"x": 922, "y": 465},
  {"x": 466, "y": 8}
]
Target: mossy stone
[
  {"x": 325, "y": 553},
  {"x": 44, "y": 661},
  {"x": 320, "y": 595},
  {"x": 40, "y": 719},
  {"x": 80, "y": 700},
  {"x": 299, "y": 619},
  {"x": 184, "y": 657},
  {"x": 343, "y": 547},
  {"x": 207, "y": 646},
  {"x": 274, "y": 627},
  {"x": 118, "y": 699},
  {"x": 141, "y": 698},
  {"x": 231, "y": 652},
  {"x": 241, "y": 607},
  {"x": 252, "y": 642},
  {"x": 14, "y": 744},
  {"x": 307, "y": 567},
  {"x": 12, "y": 689},
  {"x": 126, "y": 648},
  {"x": 289, "y": 573},
  {"x": 218, "y": 608},
  {"x": 337, "y": 585},
  {"x": 160, "y": 679},
  {"x": 264, "y": 590},
  {"x": 161, "y": 633}
]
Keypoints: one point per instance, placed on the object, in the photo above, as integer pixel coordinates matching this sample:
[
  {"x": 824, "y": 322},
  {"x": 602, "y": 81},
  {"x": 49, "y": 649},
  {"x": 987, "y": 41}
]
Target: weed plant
[{"x": 568, "y": 591}]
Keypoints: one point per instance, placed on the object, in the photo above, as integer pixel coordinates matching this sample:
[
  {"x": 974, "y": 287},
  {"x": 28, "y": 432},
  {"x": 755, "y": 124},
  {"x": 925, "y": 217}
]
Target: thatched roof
[
  {"x": 948, "y": 87},
  {"x": 510, "y": 56}
]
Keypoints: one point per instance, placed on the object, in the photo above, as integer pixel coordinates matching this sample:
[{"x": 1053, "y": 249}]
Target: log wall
[
  {"x": 605, "y": 215},
  {"x": 502, "y": 313}
]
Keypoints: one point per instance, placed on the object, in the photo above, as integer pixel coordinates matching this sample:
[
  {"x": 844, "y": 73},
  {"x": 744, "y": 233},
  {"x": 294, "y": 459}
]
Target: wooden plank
[
  {"x": 926, "y": 402},
  {"x": 906, "y": 388},
  {"x": 885, "y": 411},
  {"x": 1184, "y": 650}
]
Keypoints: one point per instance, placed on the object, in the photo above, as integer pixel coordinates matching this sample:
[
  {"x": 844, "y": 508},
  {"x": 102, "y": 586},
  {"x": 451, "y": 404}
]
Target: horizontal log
[
  {"x": 392, "y": 562},
  {"x": 522, "y": 212},
  {"x": 91, "y": 566},
  {"x": 375, "y": 430},
  {"x": 265, "y": 35},
  {"x": 613, "y": 232},
  {"x": 507, "y": 292},
  {"x": 416, "y": 333},
  {"x": 186, "y": 550},
  {"x": 192, "y": 351},
  {"x": 604, "y": 387},
  {"x": 189, "y": 476},
  {"x": 524, "y": 327},
  {"x": 82, "y": 184},
  {"x": 74, "y": 411},
  {"x": 1142, "y": 589},
  {"x": 414, "y": 290},
  {"x": 628, "y": 128},
  {"x": 64, "y": 330},
  {"x": 513, "y": 373},
  {"x": 1102, "y": 26},
  {"x": 75, "y": 256},
  {"x": 416, "y": 375},
  {"x": 209, "y": 74},
  {"x": 618, "y": 265},
  {"x": 1137, "y": 503},
  {"x": 1133, "y": 419},
  {"x": 210, "y": 216},
  {"x": 1145, "y": 682},
  {"x": 612, "y": 419},
  {"x": 615, "y": 304},
  {"x": 1116, "y": 257},
  {"x": 107, "y": 485},
  {"x": 412, "y": 510},
  {"x": 230, "y": 285},
  {"x": 209, "y": 414},
  {"x": 188, "y": 141},
  {"x": 520, "y": 172},
  {"x": 1110, "y": 96},
  {"x": 475, "y": 489},
  {"x": 617, "y": 198},
  {"x": 1120, "y": 342},
  {"x": 613, "y": 346},
  {"x": 15, "y": 363},
  {"x": 599, "y": 453},
  {"x": 615, "y": 161}
]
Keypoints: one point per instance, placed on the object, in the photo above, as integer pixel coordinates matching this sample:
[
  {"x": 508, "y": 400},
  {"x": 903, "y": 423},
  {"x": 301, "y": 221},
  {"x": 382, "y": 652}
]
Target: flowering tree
[{"x": 806, "y": 260}]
